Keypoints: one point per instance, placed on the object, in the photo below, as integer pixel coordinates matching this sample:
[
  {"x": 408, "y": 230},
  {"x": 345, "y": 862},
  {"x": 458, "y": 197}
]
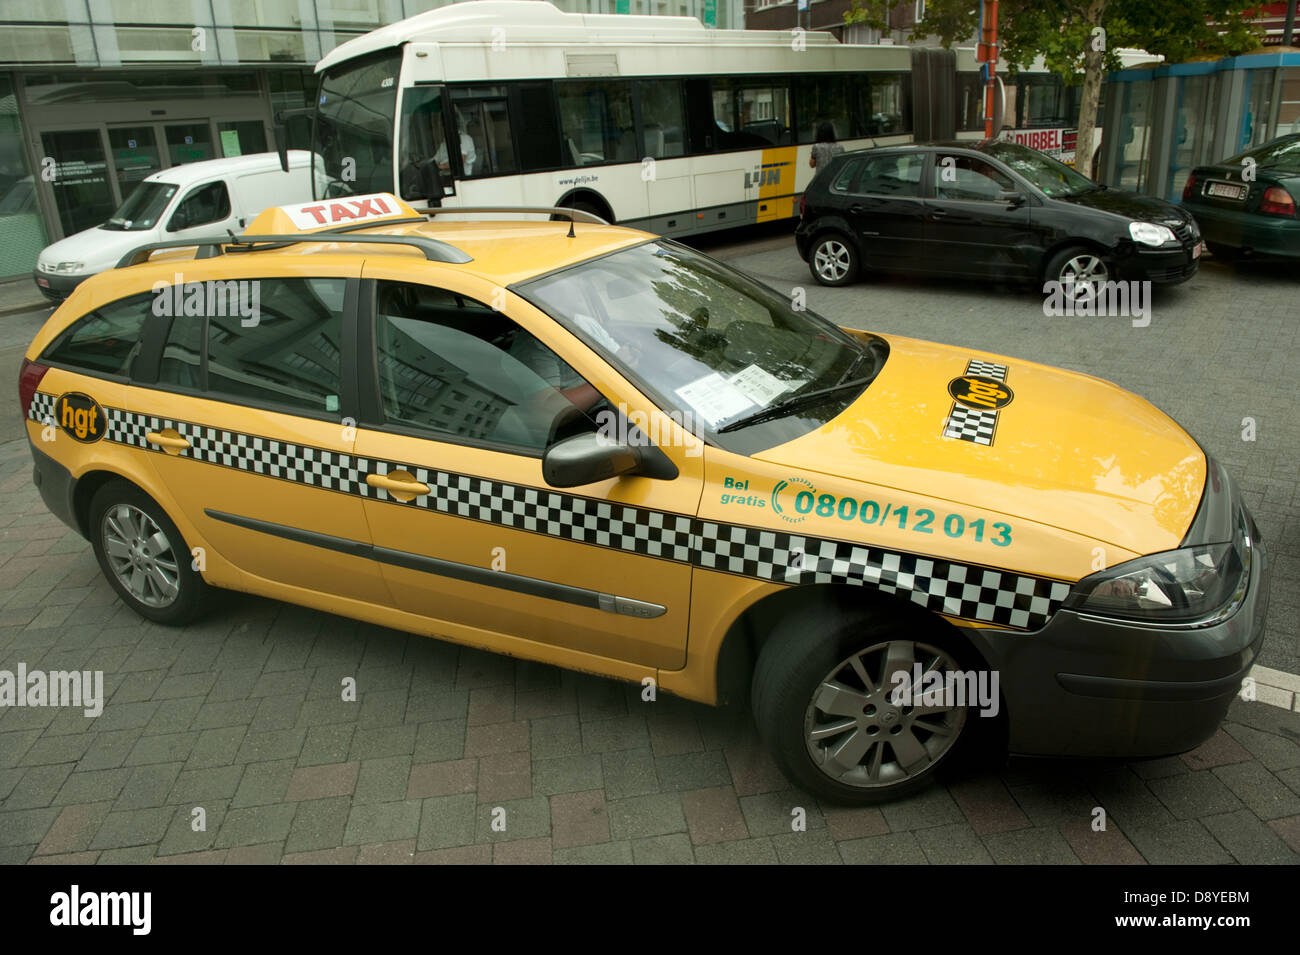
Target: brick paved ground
[{"x": 240, "y": 715}]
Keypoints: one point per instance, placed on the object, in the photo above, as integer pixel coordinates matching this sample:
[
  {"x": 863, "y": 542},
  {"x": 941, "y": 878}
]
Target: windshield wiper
[{"x": 792, "y": 404}]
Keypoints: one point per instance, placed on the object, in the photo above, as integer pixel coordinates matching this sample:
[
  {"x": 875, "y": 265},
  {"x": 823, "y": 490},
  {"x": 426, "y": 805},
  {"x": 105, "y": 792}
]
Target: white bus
[{"x": 654, "y": 122}]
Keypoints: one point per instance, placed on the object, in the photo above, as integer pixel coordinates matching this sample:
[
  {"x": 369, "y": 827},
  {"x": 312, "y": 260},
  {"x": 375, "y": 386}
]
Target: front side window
[
  {"x": 596, "y": 122},
  {"x": 105, "y": 341},
  {"x": 964, "y": 177},
  {"x": 275, "y": 342},
  {"x": 893, "y": 174},
  {"x": 355, "y": 117},
  {"x": 709, "y": 343},
  {"x": 457, "y": 370},
  {"x": 202, "y": 206}
]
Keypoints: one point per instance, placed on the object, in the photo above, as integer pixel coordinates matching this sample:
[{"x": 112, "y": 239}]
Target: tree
[{"x": 1078, "y": 39}]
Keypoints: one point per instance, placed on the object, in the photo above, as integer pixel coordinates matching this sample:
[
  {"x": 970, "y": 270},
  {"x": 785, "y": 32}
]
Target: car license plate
[
  {"x": 1197, "y": 250},
  {"x": 43, "y": 283},
  {"x": 1225, "y": 190}
]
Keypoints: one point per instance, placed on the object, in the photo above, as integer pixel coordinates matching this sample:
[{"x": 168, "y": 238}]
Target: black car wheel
[
  {"x": 144, "y": 556},
  {"x": 825, "y": 705},
  {"x": 833, "y": 260},
  {"x": 1080, "y": 272}
]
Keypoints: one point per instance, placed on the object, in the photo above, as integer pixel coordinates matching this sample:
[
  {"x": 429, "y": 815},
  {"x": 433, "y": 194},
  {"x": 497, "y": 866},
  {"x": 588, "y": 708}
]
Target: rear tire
[
  {"x": 833, "y": 260},
  {"x": 144, "y": 556},
  {"x": 847, "y": 739}
]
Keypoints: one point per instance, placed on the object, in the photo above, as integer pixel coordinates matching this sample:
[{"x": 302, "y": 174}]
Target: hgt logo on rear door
[{"x": 80, "y": 416}]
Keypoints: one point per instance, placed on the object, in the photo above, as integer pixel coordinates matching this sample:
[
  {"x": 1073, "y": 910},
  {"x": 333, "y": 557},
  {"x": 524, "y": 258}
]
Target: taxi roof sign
[{"x": 321, "y": 214}]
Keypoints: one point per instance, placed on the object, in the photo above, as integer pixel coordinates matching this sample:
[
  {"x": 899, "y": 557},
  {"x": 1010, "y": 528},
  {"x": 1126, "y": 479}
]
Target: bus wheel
[
  {"x": 833, "y": 260},
  {"x": 581, "y": 207}
]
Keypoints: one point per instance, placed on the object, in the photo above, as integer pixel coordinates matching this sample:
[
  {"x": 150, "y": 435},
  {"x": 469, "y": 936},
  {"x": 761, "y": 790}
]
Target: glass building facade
[{"x": 97, "y": 94}]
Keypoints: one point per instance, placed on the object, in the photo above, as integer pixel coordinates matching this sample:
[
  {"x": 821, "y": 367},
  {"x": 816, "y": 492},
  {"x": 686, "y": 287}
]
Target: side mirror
[
  {"x": 1011, "y": 198},
  {"x": 587, "y": 458},
  {"x": 594, "y": 456}
]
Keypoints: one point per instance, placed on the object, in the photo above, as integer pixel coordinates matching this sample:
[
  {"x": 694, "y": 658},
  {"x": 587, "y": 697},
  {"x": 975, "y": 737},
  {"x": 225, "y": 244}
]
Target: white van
[{"x": 193, "y": 200}]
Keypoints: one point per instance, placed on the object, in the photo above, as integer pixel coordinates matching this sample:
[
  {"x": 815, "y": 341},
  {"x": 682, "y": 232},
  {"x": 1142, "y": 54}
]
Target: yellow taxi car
[{"x": 588, "y": 446}]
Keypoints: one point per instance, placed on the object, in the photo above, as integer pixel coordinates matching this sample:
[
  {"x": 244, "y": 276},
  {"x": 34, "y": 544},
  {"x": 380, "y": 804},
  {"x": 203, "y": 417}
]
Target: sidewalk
[{"x": 20, "y": 294}]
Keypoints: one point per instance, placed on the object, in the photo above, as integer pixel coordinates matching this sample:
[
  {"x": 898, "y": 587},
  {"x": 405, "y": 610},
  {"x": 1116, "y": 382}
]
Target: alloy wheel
[
  {"x": 860, "y": 736},
  {"x": 140, "y": 555}
]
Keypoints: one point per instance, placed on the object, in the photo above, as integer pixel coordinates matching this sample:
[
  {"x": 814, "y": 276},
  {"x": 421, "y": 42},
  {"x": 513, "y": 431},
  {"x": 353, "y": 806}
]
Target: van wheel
[
  {"x": 1080, "y": 272},
  {"x": 826, "y": 705},
  {"x": 144, "y": 556},
  {"x": 833, "y": 260}
]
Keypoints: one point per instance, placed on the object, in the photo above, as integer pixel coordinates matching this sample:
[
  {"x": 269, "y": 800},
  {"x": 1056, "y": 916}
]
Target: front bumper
[
  {"x": 56, "y": 287},
  {"x": 1160, "y": 266},
  {"x": 1092, "y": 686}
]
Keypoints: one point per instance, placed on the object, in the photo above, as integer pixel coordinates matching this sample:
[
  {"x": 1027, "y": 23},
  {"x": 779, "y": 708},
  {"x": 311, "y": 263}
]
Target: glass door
[
  {"x": 135, "y": 155},
  {"x": 188, "y": 142},
  {"x": 83, "y": 193}
]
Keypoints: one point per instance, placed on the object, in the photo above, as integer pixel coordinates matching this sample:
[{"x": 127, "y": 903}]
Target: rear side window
[
  {"x": 898, "y": 174},
  {"x": 105, "y": 341},
  {"x": 204, "y": 204},
  {"x": 844, "y": 178},
  {"x": 269, "y": 342}
]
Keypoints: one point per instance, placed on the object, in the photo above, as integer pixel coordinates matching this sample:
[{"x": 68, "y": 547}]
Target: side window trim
[{"x": 348, "y": 401}]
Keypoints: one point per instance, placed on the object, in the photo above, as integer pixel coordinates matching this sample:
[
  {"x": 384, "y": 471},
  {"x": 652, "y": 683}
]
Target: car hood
[
  {"x": 1130, "y": 205},
  {"x": 1068, "y": 450},
  {"x": 98, "y": 248}
]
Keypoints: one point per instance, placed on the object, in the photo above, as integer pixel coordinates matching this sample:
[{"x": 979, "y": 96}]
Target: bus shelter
[{"x": 1162, "y": 121}]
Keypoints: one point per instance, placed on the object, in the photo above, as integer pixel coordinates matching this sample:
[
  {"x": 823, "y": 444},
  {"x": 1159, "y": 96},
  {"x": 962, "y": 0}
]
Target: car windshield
[
  {"x": 708, "y": 343},
  {"x": 1281, "y": 154},
  {"x": 1055, "y": 179},
  {"x": 142, "y": 208}
]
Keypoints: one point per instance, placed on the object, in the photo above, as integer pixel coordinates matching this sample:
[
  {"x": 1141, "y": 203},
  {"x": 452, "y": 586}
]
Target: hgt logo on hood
[{"x": 980, "y": 391}]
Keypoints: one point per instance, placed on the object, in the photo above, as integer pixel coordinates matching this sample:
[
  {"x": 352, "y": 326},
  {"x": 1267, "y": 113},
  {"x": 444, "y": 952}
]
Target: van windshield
[{"x": 142, "y": 208}]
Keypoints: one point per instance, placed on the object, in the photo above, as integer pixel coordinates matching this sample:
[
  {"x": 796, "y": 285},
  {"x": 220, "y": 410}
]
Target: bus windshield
[{"x": 354, "y": 124}]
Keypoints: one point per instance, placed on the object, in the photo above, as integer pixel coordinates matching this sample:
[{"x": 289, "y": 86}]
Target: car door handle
[
  {"x": 856, "y": 209},
  {"x": 169, "y": 439},
  {"x": 937, "y": 213},
  {"x": 400, "y": 484}
]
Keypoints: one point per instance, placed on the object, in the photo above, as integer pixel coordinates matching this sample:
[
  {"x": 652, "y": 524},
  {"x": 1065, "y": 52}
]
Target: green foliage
[{"x": 1061, "y": 31}]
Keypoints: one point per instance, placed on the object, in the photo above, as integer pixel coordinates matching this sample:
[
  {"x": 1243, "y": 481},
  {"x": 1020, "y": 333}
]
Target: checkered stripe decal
[
  {"x": 972, "y": 593},
  {"x": 976, "y": 425},
  {"x": 42, "y": 407},
  {"x": 961, "y": 590}
]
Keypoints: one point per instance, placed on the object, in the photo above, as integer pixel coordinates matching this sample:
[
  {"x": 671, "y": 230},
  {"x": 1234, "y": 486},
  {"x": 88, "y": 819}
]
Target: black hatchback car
[{"x": 988, "y": 210}]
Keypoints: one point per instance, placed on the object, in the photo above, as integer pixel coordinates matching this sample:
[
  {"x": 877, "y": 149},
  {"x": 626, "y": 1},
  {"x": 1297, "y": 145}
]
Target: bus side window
[{"x": 533, "y": 121}]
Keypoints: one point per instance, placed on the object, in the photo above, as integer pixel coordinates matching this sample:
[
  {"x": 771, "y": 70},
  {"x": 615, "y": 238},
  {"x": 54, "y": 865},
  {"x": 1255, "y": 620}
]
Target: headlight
[
  {"x": 1149, "y": 233},
  {"x": 70, "y": 267},
  {"x": 1193, "y": 585}
]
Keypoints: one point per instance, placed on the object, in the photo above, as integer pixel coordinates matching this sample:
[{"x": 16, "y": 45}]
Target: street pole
[
  {"x": 1289, "y": 30},
  {"x": 988, "y": 51}
]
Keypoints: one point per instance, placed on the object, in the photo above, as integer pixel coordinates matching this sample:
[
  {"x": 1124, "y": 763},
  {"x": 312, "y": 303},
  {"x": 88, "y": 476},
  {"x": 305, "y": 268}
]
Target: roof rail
[
  {"x": 208, "y": 246},
  {"x": 573, "y": 215}
]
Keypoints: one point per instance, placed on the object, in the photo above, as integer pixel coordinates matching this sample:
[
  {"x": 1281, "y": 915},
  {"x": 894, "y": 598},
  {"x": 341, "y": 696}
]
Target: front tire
[
  {"x": 833, "y": 260},
  {"x": 825, "y": 705},
  {"x": 1080, "y": 272},
  {"x": 144, "y": 556}
]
